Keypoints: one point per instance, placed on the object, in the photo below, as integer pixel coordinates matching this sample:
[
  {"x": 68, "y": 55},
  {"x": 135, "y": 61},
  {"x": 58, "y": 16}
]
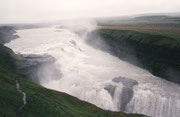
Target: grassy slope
[
  {"x": 10, "y": 99},
  {"x": 41, "y": 102},
  {"x": 158, "y": 53},
  {"x": 156, "y": 25}
]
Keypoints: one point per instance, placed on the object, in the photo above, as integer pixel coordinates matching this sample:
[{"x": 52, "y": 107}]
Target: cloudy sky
[{"x": 24, "y": 11}]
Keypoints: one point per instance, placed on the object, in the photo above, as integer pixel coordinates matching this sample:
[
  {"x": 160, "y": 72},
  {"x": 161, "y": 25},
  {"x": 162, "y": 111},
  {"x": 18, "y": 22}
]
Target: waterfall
[{"x": 98, "y": 77}]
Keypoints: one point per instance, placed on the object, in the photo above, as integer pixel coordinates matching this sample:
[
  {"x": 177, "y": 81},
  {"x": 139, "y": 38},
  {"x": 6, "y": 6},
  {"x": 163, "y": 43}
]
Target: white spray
[{"x": 87, "y": 72}]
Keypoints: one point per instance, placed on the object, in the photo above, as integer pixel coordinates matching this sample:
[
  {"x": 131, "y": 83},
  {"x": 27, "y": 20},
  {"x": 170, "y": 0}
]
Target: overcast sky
[{"x": 22, "y": 11}]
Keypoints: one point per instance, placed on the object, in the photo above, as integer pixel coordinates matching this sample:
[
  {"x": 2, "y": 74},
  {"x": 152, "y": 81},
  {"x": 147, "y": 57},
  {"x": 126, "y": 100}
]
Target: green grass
[
  {"x": 153, "y": 25},
  {"x": 144, "y": 37},
  {"x": 10, "y": 99},
  {"x": 172, "y": 35}
]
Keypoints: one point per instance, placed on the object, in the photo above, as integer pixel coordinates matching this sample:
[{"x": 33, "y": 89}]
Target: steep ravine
[
  {"x": 96, "y": 76},
  {"x": 157, "y": 53},
  {"x": 41, "y": 102}
]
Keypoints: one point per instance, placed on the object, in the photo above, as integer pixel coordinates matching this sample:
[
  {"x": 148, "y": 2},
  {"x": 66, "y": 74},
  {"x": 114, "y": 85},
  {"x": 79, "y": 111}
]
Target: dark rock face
[
  {"x": 39, "y": 68},
  {"x": 127, "y": 95},
  {"x": 126, "y": 81},
  {"x": 110, "y": 89},
  {"x": 126, "y": 92}
]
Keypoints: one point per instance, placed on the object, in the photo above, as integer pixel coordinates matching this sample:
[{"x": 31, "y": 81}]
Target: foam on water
[{"x": 87, "y": 71}]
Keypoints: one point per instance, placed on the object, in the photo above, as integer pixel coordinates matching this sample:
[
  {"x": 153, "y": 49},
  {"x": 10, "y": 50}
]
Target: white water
[
  {"x": 87, "y": 71},
  {"x": 24, "y": 98}
]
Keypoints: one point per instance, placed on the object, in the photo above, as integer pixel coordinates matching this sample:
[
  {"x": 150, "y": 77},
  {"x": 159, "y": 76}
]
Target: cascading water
[{"x": 98, "y": 77}]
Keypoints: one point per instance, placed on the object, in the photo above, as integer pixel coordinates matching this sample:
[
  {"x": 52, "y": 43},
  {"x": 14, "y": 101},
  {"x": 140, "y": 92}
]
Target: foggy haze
[
  {"x": 96, "y": 76},
  {"x": 31, "y": 11},
  {"x": 80, "y": 66}
]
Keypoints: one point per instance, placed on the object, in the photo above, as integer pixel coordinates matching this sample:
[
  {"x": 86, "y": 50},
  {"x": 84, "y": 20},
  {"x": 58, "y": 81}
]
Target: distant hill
[
  {"x": 141, "y": 18},
  {"x": 161, "y": 18}
]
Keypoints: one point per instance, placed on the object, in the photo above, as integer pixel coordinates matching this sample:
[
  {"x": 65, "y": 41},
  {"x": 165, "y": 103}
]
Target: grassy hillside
[
  {"x": 157, "y": 24},
  {"x": 159, "y": 18},
  {"x": 41, "y": 102},
  {"x": 158, "y": 53},
  {"x": 7, "y": 34}
]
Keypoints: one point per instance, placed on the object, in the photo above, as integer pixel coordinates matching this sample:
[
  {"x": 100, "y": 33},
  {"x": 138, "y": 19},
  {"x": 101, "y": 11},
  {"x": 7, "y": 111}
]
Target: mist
[
  {"x": 81, "y": 69},
  {"x": 74, "y": 58},
  {"x": 35, "y": 11}
]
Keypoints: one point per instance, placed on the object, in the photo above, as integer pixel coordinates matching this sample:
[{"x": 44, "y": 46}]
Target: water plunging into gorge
[{"x": 97, "y": 76}]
